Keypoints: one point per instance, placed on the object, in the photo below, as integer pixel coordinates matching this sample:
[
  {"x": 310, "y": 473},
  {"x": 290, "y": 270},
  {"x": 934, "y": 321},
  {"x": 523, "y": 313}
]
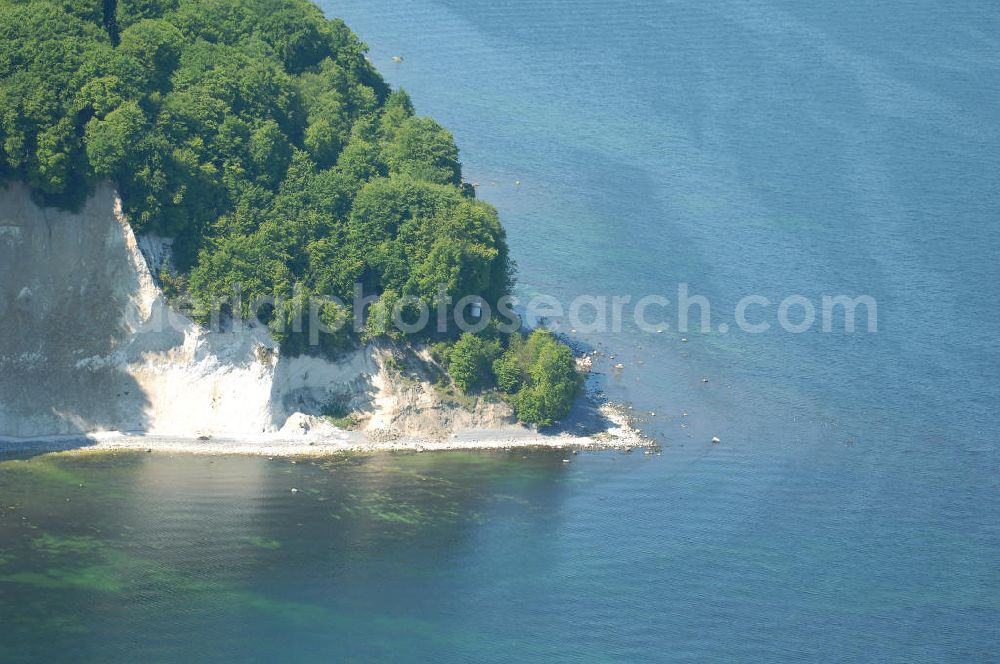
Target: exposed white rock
[
  {"x": 93, "y": 346},
  {"x": 89, "y": 346}
]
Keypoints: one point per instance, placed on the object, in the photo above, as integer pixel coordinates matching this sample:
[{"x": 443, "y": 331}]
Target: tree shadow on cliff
[
  {"x": 57, "y": 394},
  {"x": 67, "y": 284},
  {"x": 319, "y": 384}
]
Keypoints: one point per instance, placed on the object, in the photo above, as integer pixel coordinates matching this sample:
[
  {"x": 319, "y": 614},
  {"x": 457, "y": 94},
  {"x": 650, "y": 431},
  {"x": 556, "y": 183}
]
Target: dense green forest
[{"x": 257, "y": 135}]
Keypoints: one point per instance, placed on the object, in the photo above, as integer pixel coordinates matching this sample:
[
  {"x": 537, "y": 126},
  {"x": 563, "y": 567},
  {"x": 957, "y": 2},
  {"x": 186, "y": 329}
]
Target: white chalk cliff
[{"x": 89, "y": 344}]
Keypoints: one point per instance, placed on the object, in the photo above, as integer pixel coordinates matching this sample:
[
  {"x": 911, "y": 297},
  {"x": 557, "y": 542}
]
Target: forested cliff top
[{"x": 257, "y": 136}]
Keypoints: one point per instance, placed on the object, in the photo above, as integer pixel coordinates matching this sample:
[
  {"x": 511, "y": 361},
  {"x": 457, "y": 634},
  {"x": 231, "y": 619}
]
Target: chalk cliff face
[
  {"x": 68, "y": 297},
  {"x": 89, "y": 344}
]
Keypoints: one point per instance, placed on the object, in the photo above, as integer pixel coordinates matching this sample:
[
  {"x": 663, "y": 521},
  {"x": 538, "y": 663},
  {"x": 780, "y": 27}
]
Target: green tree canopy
[
  {"x": 258, "y": 136},
  {"x": 539, "y": 375},
  {"x": 470, "y": 361}
]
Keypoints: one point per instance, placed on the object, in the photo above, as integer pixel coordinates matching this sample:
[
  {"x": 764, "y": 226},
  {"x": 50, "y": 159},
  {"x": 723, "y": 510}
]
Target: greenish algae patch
[
  {"x": 44, "y": 468},
  {"x": 292, "y": 612},
  {"x": 405, "y": 514},
  {"x": 89, "y": 564},
  {"x": 96, "y": 578},
  {"x": 66, "y": 545},
  {"x": 263, "y": 543},
  {"x": 75, "y": 562}
]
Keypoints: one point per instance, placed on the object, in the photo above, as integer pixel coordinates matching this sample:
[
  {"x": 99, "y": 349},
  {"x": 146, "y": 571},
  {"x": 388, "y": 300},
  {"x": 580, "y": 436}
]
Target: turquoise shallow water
[
  {"x": 852, "y": 511},
  {"x": 480, "y": 557}
]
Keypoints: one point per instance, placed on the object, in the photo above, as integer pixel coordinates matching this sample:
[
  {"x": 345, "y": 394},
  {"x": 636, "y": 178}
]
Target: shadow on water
[{"x": 586, "y": 417}]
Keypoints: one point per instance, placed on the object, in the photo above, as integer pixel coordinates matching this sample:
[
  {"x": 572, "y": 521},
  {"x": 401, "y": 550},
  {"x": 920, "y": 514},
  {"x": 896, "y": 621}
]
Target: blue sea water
[
  {"x": 852, "y": 509},
  {"x": 771, "y": 148}
]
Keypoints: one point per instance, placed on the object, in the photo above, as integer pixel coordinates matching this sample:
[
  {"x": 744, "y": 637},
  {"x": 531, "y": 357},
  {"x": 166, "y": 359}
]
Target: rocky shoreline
[{"x": 327, "y": 440}]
